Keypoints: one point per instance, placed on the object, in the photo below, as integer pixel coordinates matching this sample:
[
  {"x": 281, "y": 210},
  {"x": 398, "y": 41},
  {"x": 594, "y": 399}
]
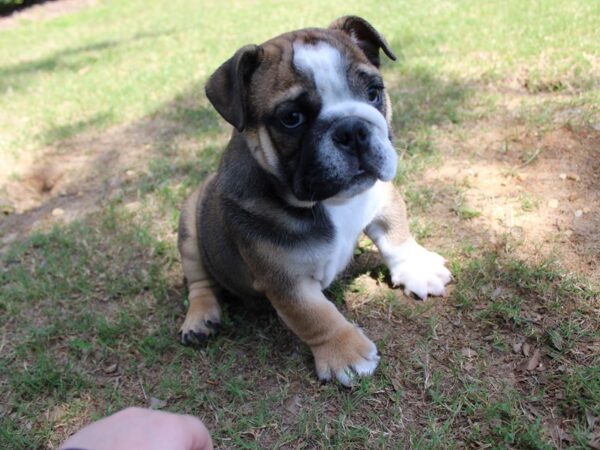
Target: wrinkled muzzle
[{"x": 348, "y": 151}]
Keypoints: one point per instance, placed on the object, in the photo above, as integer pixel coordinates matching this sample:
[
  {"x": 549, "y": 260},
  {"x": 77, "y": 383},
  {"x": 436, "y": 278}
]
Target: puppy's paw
[
  {"x": 347, "y": 356},
  {"x": 419, "y": 270},
  {"x": 202, "y": 320}
]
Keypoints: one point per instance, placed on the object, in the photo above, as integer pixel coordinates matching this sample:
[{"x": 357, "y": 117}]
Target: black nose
[{"x": 350, "y": 134}]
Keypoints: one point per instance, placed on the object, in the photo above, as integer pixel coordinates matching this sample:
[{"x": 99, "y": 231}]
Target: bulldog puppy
[{"x": 308, "y": 168}]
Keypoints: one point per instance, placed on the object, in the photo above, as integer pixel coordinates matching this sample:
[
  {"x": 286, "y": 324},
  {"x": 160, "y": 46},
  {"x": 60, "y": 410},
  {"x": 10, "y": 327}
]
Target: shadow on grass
[
  {"x": 103, "y": 296},
  {"x": 101, "y": 291},
  {"x": 92, "y": 303},
  {"x": 179, "y": 143},
  {"x": 15, "y": 76},
  {"x": 172, "y": 150},
  {"x": 60, "y": 133}
]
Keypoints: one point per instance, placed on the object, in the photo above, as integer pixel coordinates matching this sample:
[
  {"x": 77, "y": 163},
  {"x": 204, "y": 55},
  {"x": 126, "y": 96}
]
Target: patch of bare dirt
[
  {"x": 44, "y": 11},
  {"x": 541, "y": 188},
  {"x": 77, "y": 176},
  {"x": 441, "y": 347}
]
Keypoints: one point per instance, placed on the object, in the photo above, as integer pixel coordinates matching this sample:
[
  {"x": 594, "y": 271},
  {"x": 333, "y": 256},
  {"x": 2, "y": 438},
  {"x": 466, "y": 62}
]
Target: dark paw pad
[
  {"x": 214, "y": 326},
  {"x": 192, "y": 337}
]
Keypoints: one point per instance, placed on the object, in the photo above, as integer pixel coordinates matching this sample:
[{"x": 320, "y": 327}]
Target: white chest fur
[{"x": 349, "y": 218}]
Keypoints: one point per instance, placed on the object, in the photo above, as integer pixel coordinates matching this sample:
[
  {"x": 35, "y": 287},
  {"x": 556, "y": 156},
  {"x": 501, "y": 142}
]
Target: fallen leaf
[
  {"x": 111, "y": 369},
  {"x": 133, "y": 206},
  {"x": 559, "y": 433},
  {"x": 516, "y": 348},
  {"x": 292, "y": 404},
  {"x": 156, "y": 403},
  {"x": 532, "y": 362},
  {"x": 526, "y": 348},
  {"x": 556, "y": 339},
  {"x": 497, "y": 292},
  {"x": 573, "y": 177},
  {"x": 468, "y": 352},
  {"x": 591, "y": 420}
]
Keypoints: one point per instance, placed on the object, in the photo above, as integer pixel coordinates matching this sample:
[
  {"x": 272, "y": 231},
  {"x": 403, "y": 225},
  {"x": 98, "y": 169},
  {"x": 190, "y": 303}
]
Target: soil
[
  {"x": 538, "y": 188},
  {"x": 78, "y": 176}
]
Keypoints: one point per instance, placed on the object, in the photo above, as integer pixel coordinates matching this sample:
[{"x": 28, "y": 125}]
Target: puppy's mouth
[
  {"x": 359, "y": 182},
  {"x": 318, "y": 188},
  {"x": 361, "y": 176},
  {"x": 362, "y": 180}
]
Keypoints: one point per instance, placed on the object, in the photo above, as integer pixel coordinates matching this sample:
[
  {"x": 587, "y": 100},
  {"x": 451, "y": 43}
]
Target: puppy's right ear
[{"x": 227, "y": 87}]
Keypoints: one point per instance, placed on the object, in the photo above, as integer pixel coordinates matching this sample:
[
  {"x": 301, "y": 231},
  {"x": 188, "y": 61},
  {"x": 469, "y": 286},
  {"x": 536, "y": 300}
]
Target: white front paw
[{"x": 419, "y": 270}]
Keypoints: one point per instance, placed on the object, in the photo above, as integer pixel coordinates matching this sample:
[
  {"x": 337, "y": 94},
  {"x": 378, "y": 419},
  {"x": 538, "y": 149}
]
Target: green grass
[
  {"x": 115, "y": 62},
  {"x": 90, "y": 308}
]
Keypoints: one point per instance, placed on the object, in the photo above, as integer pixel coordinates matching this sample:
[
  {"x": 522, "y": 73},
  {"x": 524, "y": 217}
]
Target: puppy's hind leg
[{"x": 204, "y": 313}]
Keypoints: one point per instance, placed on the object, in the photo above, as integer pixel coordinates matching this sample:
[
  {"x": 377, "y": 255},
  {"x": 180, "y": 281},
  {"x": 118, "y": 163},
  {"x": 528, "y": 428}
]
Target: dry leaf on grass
[
  {"x": 468, "y": 352},
  {"x": 156, "y": 403},
  {"x": 532, "y": 362}
]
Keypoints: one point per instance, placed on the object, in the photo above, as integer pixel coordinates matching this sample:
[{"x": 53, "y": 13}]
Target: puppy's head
[{"x": 313, "y": 108}]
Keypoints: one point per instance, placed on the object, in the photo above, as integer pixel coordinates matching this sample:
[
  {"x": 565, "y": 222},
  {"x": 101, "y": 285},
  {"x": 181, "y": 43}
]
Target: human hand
[{"x": 144, "y": 429}]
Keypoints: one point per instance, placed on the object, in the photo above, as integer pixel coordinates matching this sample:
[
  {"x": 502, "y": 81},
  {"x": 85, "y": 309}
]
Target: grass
[{"x": 91, "y": 307}]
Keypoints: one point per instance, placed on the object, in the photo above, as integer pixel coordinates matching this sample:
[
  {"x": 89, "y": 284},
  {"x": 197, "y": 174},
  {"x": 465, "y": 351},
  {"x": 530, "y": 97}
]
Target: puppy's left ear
[{"x": 365, "y": 36}]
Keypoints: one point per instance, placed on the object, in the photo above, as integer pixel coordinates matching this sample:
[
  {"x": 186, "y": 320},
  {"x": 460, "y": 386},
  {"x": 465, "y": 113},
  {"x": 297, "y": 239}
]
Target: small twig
[
  {"x": 143, "y": 390},
  {"x": 3, "y": 343},
  {"x": 426, "y": 375},
  {"x": 530, "y": 159}
]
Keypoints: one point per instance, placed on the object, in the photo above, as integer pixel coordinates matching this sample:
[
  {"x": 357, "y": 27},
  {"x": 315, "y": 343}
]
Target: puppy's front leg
[
  {"x": 411, "y": 265},
  {"x": 340, "y": 349}
]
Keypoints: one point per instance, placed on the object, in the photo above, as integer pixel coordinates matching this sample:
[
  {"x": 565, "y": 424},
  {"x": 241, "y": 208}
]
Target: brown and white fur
[{"x": 308, "y": 168}]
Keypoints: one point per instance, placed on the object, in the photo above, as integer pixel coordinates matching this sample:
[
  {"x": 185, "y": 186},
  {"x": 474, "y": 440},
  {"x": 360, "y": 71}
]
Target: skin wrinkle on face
[
  {"x": 289, "y": 94},
  {"x": 268, "y": 151}
]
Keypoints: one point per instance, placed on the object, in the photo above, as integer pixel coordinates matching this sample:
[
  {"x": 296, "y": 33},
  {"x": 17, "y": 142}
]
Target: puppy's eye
[
  {"x": 292, "y": 119},
  {"x": 375, "y": 95}
]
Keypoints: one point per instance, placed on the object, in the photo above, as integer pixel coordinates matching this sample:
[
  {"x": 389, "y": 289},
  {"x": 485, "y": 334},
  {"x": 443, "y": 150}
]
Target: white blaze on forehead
[{"x": 325, "y": 65}]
